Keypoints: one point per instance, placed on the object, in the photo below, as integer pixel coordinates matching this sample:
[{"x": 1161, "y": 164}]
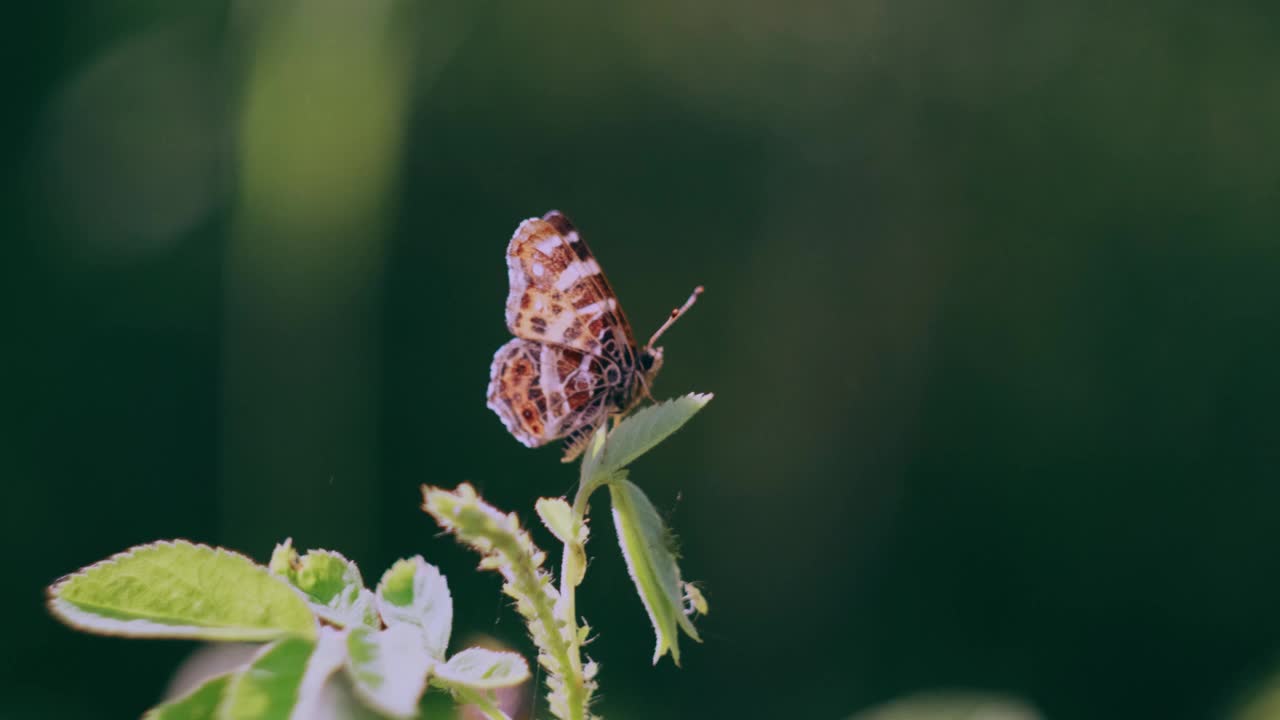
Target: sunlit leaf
[
  {"x": 199, "y": 704},
  {"x": 268, "y": 688},
  {"x": 329, "y": 654},
  {"x": 556, "y": 514},
  {"x": 389, "y": 668},
  {"x": 413, "y": 592},
  {"x": 590, "y": 475},
  {"x": 652, "y": 564},
  {"x": 182, "y": 590},
  {"x": 332, "y": 584},
  {"x": 642, "y": 430},
  {"x": 482, "y": 669}
]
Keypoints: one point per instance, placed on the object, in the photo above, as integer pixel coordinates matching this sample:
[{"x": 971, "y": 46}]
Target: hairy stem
[
  {"x": 569, "y": 577},
  {"x": 575, "y": 683},
  {"x": 507, "y": 548}
]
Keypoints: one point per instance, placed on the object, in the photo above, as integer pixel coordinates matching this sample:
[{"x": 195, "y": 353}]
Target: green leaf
[
  {"x": 268, "y": 688},
  {"x": 556, "y": 514},
  {"x": 558, "y": 517},
  {"x": 331, "y": 583},
  {"x": 574, "y": 566},
  {"x": 199, "y": 704},
  {"x": 181, "y": 590},
  {"x": 481, "y": 669},
  {"x": 342, "y": 703},
  {"x": 389, "y": 668},
  {"x": 413, "y": 592},
  {"x": 645, "y": 428},
  {"x": 646, "y": 546},
  {"x": 330, "y": 654},
  {"x": 590, "y": 478}
]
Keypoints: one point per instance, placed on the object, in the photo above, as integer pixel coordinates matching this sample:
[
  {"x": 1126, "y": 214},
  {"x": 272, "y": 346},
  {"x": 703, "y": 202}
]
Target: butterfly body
[{"x": 574, "y": 359}]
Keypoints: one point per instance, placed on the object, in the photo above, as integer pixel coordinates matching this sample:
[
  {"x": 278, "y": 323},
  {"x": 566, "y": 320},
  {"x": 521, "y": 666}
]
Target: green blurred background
[{"x": 991, "y": 319}]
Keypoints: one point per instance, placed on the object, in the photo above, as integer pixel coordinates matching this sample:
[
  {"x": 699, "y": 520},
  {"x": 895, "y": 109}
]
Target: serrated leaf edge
[
  {"x": 603, "y": 463},
  {"x": 442, "y": 673},
  {"x": 371, "y": 700},
  {"x": 56, "y": 603}
]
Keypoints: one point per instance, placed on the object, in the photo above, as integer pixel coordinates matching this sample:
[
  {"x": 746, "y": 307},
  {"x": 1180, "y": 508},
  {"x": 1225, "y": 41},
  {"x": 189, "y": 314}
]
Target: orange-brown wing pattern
[
  {"x": 545, "y": 392},
  {"x": 559, "y": 295}
]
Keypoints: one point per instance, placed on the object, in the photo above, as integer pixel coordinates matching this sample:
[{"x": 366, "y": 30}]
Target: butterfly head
[{"x": 650, "y": 363}]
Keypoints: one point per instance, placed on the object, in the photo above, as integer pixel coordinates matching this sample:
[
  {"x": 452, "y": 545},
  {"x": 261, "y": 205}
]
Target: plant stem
[
  {"x": 576, "y": 681},
  {"x": 566, "y": 652},
  {"x": 575, "y": 689},
  {"x": 507, "y": 548},
  {"x": 482, "y": 702},
  {"x": 585, "y": 489},
  {"x": 568, "y": 595}
]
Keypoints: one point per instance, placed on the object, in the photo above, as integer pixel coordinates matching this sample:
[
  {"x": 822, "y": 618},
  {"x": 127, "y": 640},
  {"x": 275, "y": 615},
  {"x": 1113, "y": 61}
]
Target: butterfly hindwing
[{"x": 545, "y": 392}]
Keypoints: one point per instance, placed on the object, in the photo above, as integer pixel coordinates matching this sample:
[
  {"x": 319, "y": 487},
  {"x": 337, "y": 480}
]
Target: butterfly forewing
[{"x": 559, "y": 294}]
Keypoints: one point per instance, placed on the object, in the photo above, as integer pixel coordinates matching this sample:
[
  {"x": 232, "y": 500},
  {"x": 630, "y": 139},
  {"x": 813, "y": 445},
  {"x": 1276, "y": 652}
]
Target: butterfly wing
[
  {"x": 546, "y": 392},
  {"x": 559, "y": 295}
]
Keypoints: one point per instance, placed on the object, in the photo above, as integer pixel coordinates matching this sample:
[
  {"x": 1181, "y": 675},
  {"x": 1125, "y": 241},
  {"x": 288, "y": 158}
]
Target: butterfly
[{"x": 573, "y": 361}]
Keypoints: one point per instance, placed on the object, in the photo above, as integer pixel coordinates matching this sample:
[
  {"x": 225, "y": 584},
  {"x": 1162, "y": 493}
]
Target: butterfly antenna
[{"x": 675, "y": 314}]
